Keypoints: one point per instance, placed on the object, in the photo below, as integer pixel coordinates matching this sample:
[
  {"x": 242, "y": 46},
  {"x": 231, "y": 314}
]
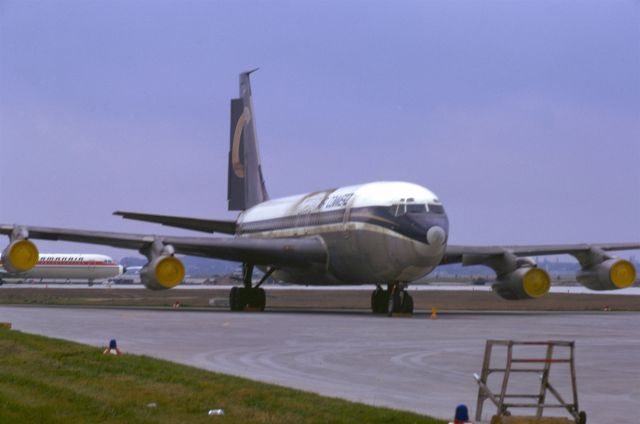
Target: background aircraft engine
[
  {"x": 20, "y": 256},
  {"x": 523, "y": 283},
  {"x": 612, "y": 274},
  {"x": 163, "y": 272}
]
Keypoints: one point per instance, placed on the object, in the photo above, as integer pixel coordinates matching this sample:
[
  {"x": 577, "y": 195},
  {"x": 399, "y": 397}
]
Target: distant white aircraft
[{"x": 68, "y": 266}]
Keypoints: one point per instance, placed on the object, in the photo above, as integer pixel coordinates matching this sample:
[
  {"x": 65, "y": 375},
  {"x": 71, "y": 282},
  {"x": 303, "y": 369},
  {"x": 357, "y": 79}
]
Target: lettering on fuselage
[
  {"x": 335, "y": 201},
  {"x": 72, "y": 260},
  {"x": 311, "y": 203},
  {"x": 46, "y": 259}
]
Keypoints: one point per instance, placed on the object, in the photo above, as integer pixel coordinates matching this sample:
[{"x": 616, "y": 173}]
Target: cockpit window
[
  {"x": 403, "y": 208},
  {"x": 416, "y": 208},
  {"x": 433, "y": 208},
  {"x": 397, "y": 209}
]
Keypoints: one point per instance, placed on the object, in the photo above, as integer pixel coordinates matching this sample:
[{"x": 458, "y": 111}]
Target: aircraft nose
[{"x": 436, "y": 236}]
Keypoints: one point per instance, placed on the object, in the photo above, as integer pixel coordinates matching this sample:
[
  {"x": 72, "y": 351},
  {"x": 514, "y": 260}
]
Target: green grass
[{"x": 45, "y": 380}]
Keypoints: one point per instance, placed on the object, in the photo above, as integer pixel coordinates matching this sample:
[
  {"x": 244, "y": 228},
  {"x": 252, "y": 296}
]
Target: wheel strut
[
  {"x": 265, "y": 276},
  {"x": 247, "y": 274},
  {"x": 399, "y": 299}
]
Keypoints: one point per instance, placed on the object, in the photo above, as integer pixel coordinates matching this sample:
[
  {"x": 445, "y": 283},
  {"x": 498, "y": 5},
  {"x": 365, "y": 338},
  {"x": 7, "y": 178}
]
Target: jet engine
[
  {"x": 162, "y": 272},
  {"x": 611, "y": 274},
  {"x": 20, "y": 256},
  {"x": 527, "y": 282}
]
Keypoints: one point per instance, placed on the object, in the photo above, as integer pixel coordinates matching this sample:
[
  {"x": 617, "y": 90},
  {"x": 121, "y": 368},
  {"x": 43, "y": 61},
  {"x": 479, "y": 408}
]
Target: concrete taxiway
[{"x": 415, "y": 363}]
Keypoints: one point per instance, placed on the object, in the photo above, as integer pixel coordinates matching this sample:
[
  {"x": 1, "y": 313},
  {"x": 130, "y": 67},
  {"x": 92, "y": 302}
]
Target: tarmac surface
[{"x": 414, "y": 363}]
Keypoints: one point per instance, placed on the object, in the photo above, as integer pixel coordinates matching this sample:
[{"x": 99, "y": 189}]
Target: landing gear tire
[
  {"x": 379, "y": 299},
  {"x": 263, "y": 299},
  {"x": 234, "y": 299},
  {"x": 237, "y": 298},
  {"x": 241, "y": 297},
  {"x": 582, "y": 418},
  {"x": 407, "y": 303},
  {"x": 257, "y": 298}
]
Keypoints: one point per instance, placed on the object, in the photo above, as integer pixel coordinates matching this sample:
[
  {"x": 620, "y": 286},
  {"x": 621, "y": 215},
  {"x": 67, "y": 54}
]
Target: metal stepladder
[{"x": 503, "y": 400}]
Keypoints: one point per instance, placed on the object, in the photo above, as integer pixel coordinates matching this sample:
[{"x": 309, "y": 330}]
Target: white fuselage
[
  {"x": 376, "y": 232},
  {"x": 70, "y": 266}
]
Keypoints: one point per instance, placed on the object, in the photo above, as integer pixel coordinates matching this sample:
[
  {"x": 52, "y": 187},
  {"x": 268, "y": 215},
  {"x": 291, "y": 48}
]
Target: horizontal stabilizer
[{"x": 197, "y": 224}]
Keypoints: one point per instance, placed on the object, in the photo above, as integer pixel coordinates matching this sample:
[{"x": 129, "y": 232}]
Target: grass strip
[{"x": 48, "y": 380}]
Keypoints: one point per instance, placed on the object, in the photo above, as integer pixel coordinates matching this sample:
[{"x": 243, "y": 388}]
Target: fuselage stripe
[{"x": 413, "y": 226}]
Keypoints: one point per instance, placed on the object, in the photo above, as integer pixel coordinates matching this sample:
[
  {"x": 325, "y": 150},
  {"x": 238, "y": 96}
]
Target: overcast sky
[{"x": 523, "y": 116}]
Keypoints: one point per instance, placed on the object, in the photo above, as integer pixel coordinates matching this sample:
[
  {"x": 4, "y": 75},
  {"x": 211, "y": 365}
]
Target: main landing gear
[
  {"x": 248, "y": 296},
  {"x": 393, "y": 300}
]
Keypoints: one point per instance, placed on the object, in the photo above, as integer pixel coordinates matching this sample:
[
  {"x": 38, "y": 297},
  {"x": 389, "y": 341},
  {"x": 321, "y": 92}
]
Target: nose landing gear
[
  {"x": 379, "y": 300},
  {"x": 393, "y": 300}
]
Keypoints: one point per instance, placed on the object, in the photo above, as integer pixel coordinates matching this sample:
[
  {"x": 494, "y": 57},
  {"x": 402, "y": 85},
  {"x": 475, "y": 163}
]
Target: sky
[{"x": 522, "y": 116}]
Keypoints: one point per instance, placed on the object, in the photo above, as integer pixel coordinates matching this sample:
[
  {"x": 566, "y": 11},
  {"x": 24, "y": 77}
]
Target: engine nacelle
[
  {"x": 20, "y": 256},
  {"x": 523, "y": 283},
  {"x": 163, "y": 272},
  {"x": 612, "y": 274}
]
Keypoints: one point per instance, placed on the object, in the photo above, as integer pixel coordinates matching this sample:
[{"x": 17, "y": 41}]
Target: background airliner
[
  {"x": 386, "y": 233},
  {"x": 68, "y": 266}
]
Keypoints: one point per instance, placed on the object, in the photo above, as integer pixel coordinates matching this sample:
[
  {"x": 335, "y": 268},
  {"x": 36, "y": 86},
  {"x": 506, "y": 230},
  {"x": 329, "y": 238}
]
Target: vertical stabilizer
[{"x": 246, "y": 184}]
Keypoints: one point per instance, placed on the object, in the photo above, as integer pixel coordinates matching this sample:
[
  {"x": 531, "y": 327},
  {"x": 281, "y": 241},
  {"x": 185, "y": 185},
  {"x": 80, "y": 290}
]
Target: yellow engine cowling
[
  {"x": 523, "y": 283},
  {"x": 612, "y": 274},
  {"x": 20, "y": 256},
  {"x": 163, "y": 272}
]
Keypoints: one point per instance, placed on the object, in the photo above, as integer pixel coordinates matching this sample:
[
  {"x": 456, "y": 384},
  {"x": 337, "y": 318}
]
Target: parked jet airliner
[
  {"x": 68, "y": 266},
  {"x": 386, "y": 233}
]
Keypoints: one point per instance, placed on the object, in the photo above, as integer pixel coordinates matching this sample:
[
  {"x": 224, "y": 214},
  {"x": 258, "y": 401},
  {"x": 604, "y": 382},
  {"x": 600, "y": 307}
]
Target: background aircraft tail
[{"x": 246, "y": 184}]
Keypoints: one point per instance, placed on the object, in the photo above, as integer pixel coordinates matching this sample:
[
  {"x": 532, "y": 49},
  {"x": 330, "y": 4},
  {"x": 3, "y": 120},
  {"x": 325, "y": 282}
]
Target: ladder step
[
  {"x": 517, "y": 370},
  {"x": 547, "y": 343},
  {"x": 532, "y": 405},
  {"x": 522, "y": 396}
]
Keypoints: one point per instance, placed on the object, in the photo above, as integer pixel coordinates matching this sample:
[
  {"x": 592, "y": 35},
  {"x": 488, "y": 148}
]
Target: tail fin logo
[{"x": 237, "y": 164}]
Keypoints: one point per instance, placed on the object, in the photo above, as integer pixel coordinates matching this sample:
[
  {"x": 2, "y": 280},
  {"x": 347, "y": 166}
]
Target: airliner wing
[
  {"x": 197, "y": 224},
  {"x": 458, "y": 253},
  {"x": 283, "y": 251}
]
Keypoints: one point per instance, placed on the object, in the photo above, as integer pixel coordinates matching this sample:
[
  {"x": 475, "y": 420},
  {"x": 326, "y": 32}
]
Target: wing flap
[{"x": 197, "y": 224}]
